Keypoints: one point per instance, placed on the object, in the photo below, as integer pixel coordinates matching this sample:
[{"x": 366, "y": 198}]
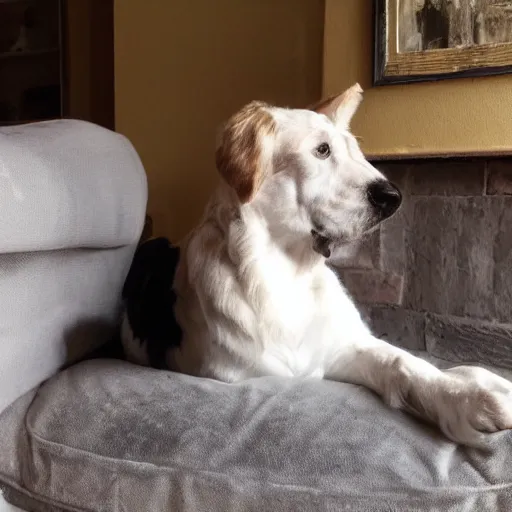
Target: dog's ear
[
  {"x": 243, "y": 148},
  {"x": 340, "y": 109}
]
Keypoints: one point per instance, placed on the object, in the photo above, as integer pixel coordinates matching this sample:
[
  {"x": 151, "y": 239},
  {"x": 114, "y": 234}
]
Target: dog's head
[{"x": 304, "y": 171}]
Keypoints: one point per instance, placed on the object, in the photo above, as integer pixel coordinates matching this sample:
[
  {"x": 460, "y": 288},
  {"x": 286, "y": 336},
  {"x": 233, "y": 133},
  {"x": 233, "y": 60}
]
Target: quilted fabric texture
[{"x": 108, "y": 436}]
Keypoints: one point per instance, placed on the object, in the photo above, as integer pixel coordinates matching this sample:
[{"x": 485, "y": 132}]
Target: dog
[{"x": 248, "y": 292}]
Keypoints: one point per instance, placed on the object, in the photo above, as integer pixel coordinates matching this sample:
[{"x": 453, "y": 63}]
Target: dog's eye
[{"x": 323, "y": 150}]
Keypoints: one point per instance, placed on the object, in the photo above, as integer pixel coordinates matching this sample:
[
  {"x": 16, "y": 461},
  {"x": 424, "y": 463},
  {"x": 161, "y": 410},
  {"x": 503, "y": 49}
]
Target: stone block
[
  {"x": 392, "y": 248},
  {"x": 469, "y": 341},
  {"x": 363, "y": 255},
  {"x": 393, "y": 233},
  {"x": 502, "y": 259},
  {"x": 499, "y": 177},
  {"x": 372, "y": 286},
  {"x": 447, "y": 178},
  {"x": 399, "y": 326},
  {"x": 396, "y": 172},
  {"x": 450, "y": 256},
  {"x": 365, "y": 311}
]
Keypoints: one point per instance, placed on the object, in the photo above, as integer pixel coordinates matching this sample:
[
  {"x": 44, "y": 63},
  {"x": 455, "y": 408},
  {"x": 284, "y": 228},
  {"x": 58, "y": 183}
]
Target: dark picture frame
[{"x": 438, "y": 58}]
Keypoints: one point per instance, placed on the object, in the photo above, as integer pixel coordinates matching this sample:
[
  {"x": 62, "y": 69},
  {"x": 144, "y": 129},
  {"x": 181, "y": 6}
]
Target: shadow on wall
[{"x": 191, "y": 65}]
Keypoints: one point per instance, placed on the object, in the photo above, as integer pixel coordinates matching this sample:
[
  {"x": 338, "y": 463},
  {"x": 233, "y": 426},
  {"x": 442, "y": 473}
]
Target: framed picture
[{"x": 419, "y": 40}]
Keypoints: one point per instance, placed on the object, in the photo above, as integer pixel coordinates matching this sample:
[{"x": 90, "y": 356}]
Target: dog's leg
[{"x": 463, "y": 401}]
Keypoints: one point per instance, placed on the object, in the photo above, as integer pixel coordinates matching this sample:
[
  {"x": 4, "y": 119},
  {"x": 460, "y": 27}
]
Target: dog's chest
[
  {"x": 290, "y": 296},
  {"x": 291, "y": 303},
  {"x": 292, "y": 326}
]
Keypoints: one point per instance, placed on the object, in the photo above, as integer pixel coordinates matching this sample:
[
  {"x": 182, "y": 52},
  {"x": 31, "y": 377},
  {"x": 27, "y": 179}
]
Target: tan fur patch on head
[{"x": 239, "y": 155}]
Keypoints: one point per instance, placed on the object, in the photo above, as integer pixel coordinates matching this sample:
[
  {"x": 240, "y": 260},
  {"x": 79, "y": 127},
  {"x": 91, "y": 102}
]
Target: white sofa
[
  {"x": 72, "y": 206},
  {"x": 106, "y": 436}
]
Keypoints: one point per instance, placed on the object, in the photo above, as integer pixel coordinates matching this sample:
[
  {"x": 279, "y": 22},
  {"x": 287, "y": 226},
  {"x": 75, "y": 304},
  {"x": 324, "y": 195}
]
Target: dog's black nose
[{"x": 384, "y": 196}]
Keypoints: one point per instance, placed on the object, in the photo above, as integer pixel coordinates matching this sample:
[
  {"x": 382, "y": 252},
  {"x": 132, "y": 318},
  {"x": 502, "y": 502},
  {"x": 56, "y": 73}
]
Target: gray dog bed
[{"x": 109, "y": 436}]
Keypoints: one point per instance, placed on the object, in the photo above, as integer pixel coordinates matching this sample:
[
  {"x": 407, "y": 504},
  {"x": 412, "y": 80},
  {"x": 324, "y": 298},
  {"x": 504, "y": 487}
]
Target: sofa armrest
[
  {"x": 68, "y": 184},
  {"x": 72, "y": 203}
]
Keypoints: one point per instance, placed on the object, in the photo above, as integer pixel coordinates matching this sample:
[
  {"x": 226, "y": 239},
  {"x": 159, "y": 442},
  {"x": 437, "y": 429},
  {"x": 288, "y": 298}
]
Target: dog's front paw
[{"x": 472, "y": 402}]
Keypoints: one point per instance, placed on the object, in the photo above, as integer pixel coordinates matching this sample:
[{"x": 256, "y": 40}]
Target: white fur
[{"x": 254, "y": 298}]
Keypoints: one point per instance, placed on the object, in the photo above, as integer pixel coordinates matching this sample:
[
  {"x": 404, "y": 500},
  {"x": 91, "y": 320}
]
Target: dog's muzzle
[{"x": 384, "y": 197}]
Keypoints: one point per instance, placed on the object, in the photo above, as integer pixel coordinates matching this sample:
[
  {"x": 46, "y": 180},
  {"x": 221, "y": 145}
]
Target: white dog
[{"x": 252, "y": 294}]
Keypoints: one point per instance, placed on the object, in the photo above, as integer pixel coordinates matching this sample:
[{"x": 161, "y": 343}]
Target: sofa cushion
[
  {"x": 105, "y": 435},
  {"x": 56, "y": 307},
  {"x": 68, "y": 184},
  {"x": 72, "y": 203}
]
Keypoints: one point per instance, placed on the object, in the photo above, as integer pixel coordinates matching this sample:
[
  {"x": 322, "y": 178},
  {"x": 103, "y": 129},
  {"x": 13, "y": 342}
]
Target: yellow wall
[
  {"x": 451, "y": 117},
  {"x": 184, "y": 66}
]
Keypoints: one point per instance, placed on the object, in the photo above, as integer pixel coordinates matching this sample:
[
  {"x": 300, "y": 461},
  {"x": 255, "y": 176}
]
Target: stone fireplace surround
[{"x": 437, "y": 276}]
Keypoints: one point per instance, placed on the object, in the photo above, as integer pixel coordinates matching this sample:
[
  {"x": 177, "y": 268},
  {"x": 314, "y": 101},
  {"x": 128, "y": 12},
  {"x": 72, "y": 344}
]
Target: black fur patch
[{"x": 149, "y": 298}]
